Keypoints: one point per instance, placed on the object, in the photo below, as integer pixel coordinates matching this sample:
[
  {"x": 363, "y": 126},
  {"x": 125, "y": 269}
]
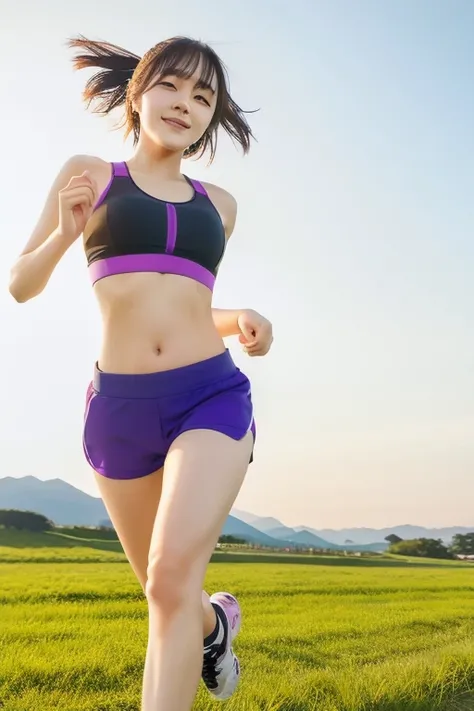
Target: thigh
[
  {"x": 132, "y": 505},
  {"x": 203, "y": 473}
]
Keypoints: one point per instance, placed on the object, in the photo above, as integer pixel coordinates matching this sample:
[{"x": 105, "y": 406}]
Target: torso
[{"x": 154, "y": 321}]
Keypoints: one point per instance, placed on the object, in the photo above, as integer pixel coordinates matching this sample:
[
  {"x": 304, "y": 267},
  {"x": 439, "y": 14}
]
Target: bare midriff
[{"x": 153, "y": 322}]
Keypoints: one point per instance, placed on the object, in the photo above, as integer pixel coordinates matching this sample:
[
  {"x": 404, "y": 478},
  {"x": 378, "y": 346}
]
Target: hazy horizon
[
  {"x": 236, "y": 511},
  {"x": 354, "y": 236}
]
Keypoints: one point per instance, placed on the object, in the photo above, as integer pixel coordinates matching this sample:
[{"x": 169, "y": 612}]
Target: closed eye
[{"x": 198, "y": 97}]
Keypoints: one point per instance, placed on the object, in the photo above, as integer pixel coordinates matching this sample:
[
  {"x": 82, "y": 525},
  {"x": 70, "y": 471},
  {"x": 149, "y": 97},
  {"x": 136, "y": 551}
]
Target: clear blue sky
[{"x": 355, "y": 236}]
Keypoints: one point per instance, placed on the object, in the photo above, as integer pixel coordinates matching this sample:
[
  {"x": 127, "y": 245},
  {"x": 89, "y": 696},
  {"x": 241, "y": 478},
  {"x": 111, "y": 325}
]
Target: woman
[{"x": 169, "y": 428}]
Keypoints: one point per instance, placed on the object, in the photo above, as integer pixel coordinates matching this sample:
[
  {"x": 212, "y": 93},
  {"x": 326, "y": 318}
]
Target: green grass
[{"x": 317, "y": 636}]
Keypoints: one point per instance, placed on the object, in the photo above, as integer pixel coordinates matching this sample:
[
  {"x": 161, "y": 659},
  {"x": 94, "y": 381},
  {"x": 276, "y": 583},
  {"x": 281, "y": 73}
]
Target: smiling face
[
  {"x": 179, "y": 96},
  {"x": 177, "y": 93},
  {"x": 177, "y": 110}
]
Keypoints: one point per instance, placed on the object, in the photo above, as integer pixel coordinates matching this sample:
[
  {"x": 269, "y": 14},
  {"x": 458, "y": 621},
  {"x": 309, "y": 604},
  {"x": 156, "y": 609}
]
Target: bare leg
[
  {"x": 202, "y": 477},
  {"x": 132, "y": 506},
  {"x": 209, "y": 615}
]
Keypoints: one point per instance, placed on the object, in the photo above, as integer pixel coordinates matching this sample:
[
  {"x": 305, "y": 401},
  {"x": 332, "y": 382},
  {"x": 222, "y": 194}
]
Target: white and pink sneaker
[{"x": 221, "y": 668}]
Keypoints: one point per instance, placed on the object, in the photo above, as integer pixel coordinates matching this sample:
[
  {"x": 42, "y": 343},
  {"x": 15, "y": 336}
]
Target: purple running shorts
[{"x": 131, "y": 421}]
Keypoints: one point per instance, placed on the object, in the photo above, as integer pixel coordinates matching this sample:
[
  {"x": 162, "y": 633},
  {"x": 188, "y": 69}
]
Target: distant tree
[
  {"x": 422, "y": 548},
  {"x": 393, "y": 538},
  {"x": 231, "y": 539},
  {"x": 25, "y": 520},
  {"x": 463, "y": 544},
  {"x": 348, "y": 541}
]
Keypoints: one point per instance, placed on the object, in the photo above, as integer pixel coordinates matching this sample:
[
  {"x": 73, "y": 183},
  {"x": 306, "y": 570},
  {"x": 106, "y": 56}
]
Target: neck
[{"x": 161, "y": 162}]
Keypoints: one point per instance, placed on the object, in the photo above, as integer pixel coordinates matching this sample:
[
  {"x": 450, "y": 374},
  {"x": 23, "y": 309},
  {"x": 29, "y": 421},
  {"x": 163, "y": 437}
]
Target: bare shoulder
[
  {"x": 77, "y": 164},
  {"x": 226, "y": 205},
  {"x": 221, "y": 197},
  {"x": 81, "y": 161}
]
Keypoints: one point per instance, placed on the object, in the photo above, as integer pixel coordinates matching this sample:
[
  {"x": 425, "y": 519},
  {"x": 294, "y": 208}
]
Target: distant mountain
[
  {"x": 66, "y": 505},
  {"x": 268, "y": 524},
  {"x": 372, "y": 535},
  {"x": 306, "y": 537},
  {"x": 368, "y": 538},
  {"x": 245, "y": 516},
  {"x": 274, "y": 528},
  {"x": 235, "y": 527},
  {"x": 279, "y": 532},
  {"x": 61, "y": 502}
]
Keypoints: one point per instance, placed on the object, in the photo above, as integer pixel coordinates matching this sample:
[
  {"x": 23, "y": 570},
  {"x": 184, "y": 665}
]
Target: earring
[{"x": 194, "y": 147}]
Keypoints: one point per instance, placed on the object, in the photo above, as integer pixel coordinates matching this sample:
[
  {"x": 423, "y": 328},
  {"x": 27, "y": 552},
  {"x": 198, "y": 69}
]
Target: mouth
[{"x": 176, "y": 123}]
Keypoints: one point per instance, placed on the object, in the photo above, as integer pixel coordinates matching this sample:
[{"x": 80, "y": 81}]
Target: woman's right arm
[{"x": 69, "y": 205}]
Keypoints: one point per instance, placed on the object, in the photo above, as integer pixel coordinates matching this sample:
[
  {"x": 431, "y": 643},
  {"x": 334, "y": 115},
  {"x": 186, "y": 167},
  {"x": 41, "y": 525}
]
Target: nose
[{"x": 181, "y": 104}]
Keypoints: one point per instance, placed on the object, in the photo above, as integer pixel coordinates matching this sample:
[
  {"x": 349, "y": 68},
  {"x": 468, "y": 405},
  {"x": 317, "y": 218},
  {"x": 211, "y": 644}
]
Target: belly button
[{"x": 158, "y": 351}]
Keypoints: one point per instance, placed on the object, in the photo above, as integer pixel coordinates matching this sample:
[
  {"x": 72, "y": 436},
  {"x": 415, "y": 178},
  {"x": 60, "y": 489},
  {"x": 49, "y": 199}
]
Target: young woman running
[{"x": 169, "y": 428}]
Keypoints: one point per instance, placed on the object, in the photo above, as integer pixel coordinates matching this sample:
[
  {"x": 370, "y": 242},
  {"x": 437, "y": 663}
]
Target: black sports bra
[{"x": 131, "y": 231}]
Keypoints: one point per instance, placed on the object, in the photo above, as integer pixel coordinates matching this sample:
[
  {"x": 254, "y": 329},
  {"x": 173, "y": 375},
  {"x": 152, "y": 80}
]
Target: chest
[{"x": 135, "y": 223}]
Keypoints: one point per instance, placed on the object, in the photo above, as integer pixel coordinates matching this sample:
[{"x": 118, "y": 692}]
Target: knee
[{"x": 171, "y": 582}]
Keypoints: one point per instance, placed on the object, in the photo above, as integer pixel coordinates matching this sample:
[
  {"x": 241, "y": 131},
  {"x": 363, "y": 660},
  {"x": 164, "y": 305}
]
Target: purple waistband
[
  {"x": 165, "y": 382},
  {"x": 163, "y": 263}
]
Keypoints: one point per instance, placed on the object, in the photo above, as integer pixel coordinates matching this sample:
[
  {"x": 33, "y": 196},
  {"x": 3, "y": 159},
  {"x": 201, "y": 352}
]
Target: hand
[
  {"x": 256, "y": 333},
  {"x": 76, "y": 203}
]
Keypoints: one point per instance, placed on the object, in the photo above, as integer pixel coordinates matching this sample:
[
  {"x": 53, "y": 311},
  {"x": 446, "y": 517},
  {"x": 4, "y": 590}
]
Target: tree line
[
  {"x": 461, "y": 544},
  {"x": 14, "y": 519}
]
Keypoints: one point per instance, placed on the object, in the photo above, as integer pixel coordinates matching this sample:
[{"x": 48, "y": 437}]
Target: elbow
[
  {"x": 22, "y": 296},
  {"x": 19, "y": 297},
  {"x": 19, "y": 293}
]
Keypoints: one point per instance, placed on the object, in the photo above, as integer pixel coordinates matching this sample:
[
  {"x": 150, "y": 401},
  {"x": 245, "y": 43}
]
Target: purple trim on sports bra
[
  {"x": 198, "y": 187},
  {"x": 117, "y": 170},
  {"x": 164, "y": 263},
  {"x": 103, "y": 195},
  {"x": 120, "y": 169},
  {"x": 172, "y": 228}
]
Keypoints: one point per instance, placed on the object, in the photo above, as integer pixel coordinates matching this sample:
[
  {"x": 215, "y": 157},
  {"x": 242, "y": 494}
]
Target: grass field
[{"x": 320, "y": 635}]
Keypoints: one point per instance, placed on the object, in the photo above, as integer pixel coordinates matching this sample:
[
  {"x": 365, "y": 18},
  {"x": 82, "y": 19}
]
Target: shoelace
[{"x": 210, "y": 670}]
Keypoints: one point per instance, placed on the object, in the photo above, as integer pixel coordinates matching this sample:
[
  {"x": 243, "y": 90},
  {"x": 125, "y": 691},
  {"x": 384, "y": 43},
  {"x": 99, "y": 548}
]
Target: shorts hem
[
  {"x": 102, "y": 471},
  {"x": 226, "y": 431},
  {"x": 128, "y": 477},
  {"x": 229, "y": 431}
]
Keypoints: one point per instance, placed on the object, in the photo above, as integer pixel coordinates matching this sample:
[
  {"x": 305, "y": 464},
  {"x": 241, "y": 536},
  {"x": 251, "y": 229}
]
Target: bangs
[{"x": 182, "y": 58}]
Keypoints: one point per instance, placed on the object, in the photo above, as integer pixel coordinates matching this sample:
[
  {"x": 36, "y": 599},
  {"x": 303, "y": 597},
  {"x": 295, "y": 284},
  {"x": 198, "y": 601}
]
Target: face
[{"x": 176, "y": 111}]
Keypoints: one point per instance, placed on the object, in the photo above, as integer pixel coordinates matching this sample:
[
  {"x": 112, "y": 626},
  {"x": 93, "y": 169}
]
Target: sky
[{"x": 354, "y": 236}]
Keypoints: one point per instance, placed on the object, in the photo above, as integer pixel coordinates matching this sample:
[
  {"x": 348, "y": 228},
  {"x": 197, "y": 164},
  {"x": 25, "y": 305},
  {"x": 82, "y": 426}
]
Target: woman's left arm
[{"x": 254, "y": 330}]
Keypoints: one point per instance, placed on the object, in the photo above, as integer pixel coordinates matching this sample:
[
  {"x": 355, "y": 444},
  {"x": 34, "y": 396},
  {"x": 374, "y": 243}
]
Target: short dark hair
[{"x": 124, "y": 76}]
